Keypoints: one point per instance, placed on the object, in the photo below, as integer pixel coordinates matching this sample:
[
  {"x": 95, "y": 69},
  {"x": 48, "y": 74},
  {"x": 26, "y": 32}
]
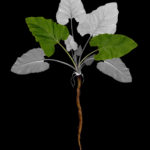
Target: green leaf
[
  {"x": 112, "y": 46},
  {"x": 47, "y": 33}
]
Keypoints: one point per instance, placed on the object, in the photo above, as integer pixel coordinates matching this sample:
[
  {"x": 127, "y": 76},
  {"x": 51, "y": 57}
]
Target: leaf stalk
[
  {"x": 69, "y": 56},
  {"x": 62, "y": 62},
  {"x": 87, "y": 57}
]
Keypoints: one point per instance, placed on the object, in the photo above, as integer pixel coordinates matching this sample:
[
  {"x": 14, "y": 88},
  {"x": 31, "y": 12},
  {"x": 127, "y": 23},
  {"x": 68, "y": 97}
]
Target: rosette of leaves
[{"x": 100, "y": 25}]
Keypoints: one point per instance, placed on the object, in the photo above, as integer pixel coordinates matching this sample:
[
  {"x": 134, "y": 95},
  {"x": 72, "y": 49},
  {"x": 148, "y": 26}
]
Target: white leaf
[
  {"x": 70, "y": 44},
  {"x": 78, "y": 52},
  {"x": 30, "y": 62},
  {"x": 100, "y": 21},
  {"x": 116, "y": 69},
  {"x": 89, "y": 61},
  {"x": 69, "y": 9}
]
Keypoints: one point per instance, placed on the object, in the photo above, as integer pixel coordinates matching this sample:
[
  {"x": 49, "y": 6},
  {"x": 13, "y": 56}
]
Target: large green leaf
[
  {"x": 112, "y": 45},
  {"x": 47, "y": 33}
]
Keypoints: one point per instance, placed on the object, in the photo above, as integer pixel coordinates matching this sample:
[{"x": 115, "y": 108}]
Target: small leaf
[
  {"x": 116, "y": 69},
  {"x": 89, "y": 61},
  {"x": 69, "y": 9},
  {"x": 100, "y": 21},
  {"x": 47, "y": 33},
  {"x": 30, "y": 62},
  {"x": 112, "y": 46},
  {"x": 70, "y": 44},
  {"x": 78, "y": 52}
]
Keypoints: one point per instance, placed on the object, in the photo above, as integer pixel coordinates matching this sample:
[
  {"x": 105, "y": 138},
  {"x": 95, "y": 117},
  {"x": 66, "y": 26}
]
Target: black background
[{"x": 39, "y": 110}]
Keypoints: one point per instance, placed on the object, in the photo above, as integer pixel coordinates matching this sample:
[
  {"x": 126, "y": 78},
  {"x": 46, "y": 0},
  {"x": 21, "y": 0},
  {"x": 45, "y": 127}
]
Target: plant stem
[
  {"x": 68, "y": 55},
  {"x": 79, "y": 111},
  {"x": 87, "y": 57},
  {"x": 59, "y": 61}
]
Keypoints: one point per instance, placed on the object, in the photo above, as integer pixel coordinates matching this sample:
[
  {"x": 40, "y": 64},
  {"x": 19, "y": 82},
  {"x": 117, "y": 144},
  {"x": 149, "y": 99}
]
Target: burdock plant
[{"x": 100, "y": 25}]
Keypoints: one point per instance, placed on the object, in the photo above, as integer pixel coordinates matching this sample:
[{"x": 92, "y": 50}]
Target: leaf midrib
[
  {"x": 40, "y": 27},
  {"x": 32, "y": 62},
  {"x": 113, "y": 67}
]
